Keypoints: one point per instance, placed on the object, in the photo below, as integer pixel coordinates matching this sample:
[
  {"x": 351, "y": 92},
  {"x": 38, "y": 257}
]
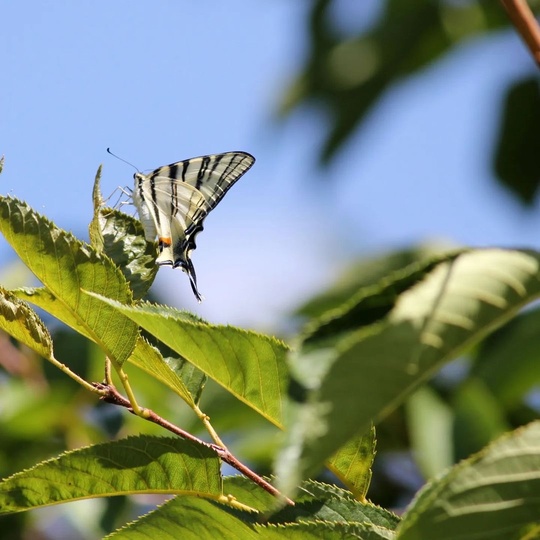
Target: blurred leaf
[
  {"x": 65, "y": 266},
  {"x": 516, "y": 156},
  {"x": 28, "y": 416},
  {"x": 474, "y": 431},
  {"x": 508, "y": 360},
  {"x": 340, "y": 387},
  {"x": 347, "y": 75},
  {"x": 492, "y": 496},
  {"x": 133, "y": 465},
  {"x": 250, "y": 365},
  {"x": 430, "y": 423},
  {"x": 366, "y": 273},
  {"x": 369, "y": 304}
]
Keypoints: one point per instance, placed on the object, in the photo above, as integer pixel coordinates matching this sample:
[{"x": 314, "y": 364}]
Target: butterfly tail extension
[{"x": 187, "y": 266}]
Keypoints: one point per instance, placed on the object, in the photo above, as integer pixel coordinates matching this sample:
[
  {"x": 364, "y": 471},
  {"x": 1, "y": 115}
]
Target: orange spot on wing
[{"x": 165, "y": 241}]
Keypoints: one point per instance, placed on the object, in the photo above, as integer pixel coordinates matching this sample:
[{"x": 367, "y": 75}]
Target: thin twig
[
  {"x": 113, "y": 396},
  {"x": 523, "y": 19}
]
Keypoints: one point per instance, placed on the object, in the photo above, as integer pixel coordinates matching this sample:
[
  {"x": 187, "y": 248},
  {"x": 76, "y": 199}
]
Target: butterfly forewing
[
  {"x": 174, "y": 200},
  {"x": 211, "y": 175}
]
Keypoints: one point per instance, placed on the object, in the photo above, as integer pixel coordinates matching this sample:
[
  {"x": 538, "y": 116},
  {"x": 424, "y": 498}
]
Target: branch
[
  {"x": 113, "y": 396},
  {"x": 527, "y": 26}
]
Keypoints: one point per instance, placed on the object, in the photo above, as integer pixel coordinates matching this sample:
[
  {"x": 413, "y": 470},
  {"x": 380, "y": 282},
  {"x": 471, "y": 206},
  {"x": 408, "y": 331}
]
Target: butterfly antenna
[{"x": 117, "y": 157}]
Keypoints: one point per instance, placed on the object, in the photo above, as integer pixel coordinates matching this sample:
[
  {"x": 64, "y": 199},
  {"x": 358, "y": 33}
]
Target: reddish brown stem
[
  {"x": 523, "y": 19},
  {"x": 114, "y": 397}
]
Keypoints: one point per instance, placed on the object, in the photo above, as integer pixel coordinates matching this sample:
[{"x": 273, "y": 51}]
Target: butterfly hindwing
[{"x": 174, "y": 200}]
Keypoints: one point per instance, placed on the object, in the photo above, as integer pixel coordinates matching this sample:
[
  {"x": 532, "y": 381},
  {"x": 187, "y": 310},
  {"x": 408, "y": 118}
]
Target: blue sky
[{"x": 169, "y": 80}]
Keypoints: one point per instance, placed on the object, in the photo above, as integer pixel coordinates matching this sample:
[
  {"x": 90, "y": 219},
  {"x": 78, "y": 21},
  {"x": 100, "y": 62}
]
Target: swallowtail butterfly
[{"x": 174, "y": 200}]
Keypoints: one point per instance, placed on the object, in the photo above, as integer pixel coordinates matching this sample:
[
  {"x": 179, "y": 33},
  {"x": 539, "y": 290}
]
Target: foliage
[
  {"x": 432, "y": 347},
  {"x": 348, "y": 71},
  {"x": 358, "y": 360}
]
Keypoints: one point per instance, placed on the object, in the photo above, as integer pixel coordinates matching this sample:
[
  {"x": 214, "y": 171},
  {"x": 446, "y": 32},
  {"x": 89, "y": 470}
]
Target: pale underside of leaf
[
  {"x": 493, "y": 495},
  {"x": 371, "y": 371}
]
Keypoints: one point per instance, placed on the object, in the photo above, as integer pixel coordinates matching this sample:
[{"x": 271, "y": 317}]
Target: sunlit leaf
[
  {"x": 133, "y": 465},
  {"x": 66, "y": 265},
  {"x": 353, "y": 461},
  {"x": 173, "y": 373},
  {"x": 252, "y": 366}
]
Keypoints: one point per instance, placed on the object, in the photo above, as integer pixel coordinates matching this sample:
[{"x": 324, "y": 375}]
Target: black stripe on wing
[{"x": 213, "y": 175}]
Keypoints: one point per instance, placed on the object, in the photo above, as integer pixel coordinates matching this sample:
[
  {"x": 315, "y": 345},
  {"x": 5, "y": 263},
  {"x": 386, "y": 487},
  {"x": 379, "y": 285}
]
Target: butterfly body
[{"x": 174, "y": 200}]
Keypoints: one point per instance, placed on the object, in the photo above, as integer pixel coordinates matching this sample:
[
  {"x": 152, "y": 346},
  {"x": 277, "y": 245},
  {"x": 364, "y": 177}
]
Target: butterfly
[{"x": 174, "y": 200}]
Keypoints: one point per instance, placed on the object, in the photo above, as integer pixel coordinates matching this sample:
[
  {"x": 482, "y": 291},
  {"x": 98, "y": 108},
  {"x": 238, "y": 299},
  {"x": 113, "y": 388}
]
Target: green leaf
[
  {"x": 175, "y": 373},
  {"x": 515, "y": 159},
  {"x": 315, "y": 501},
  {"x": 95, "y": 229},
  {"x": 508, "y": 375},
  {"x": 340, "y": 387},
  {"x": 44, "y": 299},
  {"x": 430, "y": 422},
  {"x": 249, "y": 365},
  {"x": 322, "y": 511},
  {"x": 353, "y": 461},
  {"x": 65, "y": 266},
  {"x": 190, "y": 518},
  {"x": 243, "y": 489},
  {"x": 346, "y": 73},
  {"x": 473, "y": 431},
  {"x": 22, "y": 322},
  {"x": 492, "y": 496},
  {"x": 315, "y": 530},
  {"x": 369, "y": 273},
  {"x": 369, "y": 304},
  {"x": 323, "y": 502},
  {"x": 121, "y": 237},
  {"x": 134, "y": 465}
]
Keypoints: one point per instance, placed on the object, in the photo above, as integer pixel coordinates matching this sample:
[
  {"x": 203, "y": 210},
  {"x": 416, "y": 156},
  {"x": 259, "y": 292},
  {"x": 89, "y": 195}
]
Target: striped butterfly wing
[{"x": 174, "y": 200}]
